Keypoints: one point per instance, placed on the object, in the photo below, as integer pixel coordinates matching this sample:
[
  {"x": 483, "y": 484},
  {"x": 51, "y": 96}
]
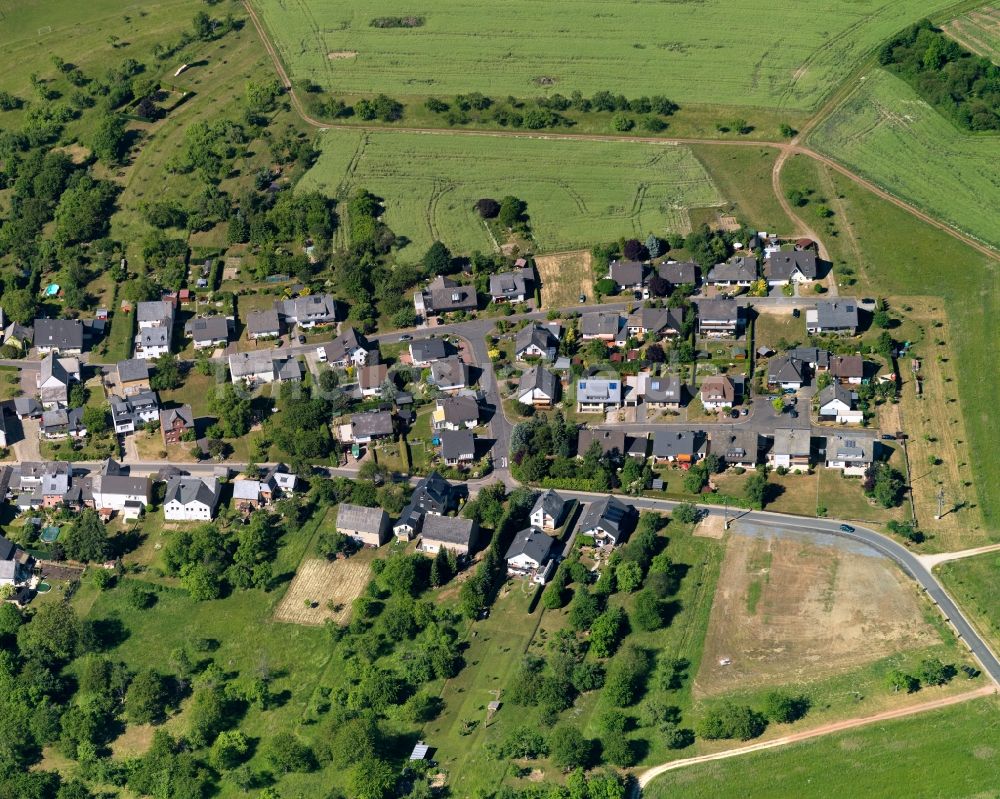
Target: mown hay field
[
  {"x": 785, "y": 55},
  {"x": 978, "y": 31},
  {"x": 890, "y": 135},
  {"x": 578, "y": 192}
]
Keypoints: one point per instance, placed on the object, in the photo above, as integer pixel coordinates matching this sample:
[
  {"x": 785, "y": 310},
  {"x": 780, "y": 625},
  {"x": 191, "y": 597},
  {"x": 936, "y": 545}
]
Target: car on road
[
  {"x": 846, "y": 528},
  {"x": 406, "y": 337},
  {"x": 888, "y": 437}
]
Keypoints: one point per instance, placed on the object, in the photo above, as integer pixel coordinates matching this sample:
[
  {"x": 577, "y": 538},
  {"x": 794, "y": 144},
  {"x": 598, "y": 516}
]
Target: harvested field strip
[
  {"x": 978, "y": 31},
  {"x": 324, "y": 590}
]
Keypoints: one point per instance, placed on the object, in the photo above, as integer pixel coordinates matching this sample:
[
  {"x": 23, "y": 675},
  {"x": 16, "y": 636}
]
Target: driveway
[{"x": 27, "y": 448}]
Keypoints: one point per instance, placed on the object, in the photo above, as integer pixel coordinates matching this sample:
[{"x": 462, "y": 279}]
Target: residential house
[
  {"x": 444, "y": 295},
  {"x": 448, "y": 532},
  {"x": 549, "y": 511},
  {"x": 433, "y": 496},
  {"x": 717, "y": 392},
  {"x": 367, "y": 427},
  {"x": 40, "y": 485},
  {"x": 175, "y": 422},
  {"x": 53, "y": 380},
  {"x": 455, "y": 413},
  {"x": 132, "y": 412},
  {"x": 250, "y": 495},
  {"x": 159, "y": 313},
  {"x": 783, "y": 268},
  {"x": 603, "y": 325},
  {"x": 681, "y": 447},
  {"x": 537, "y": 341},
  {"x": 61, "y": 336},
  {"x": 27, "y": 408},
  {"x": 350, "y": 348},
  {"x": 208, "y": 332},
  {"x": 833, "y": 316},
  {"x": 257, "y": 368},
  {"x": 608, "y": 520},
  {"x": 737, "y": 447},
  {"x": 611, "y": 442},
  {"x": 133, "y": 376},
  {"x": 449, "y": 374},
  {"x": 847, "y": 369},
  {"x": 63, "y": 422},
  {"x": 309, "y": 311},
  {"x": 628, "y": 275},
  {"x": 18, "y": 336},
  {"x": 787, "y": 372},
  {"x": 118, "y": 492},
  {"x": 538, "y": 387},
  {"x": 530, "y": 555},
  {"x": 838, "y": 404},
  {"x": 817, "y": 359},
  {"x": 852, "y": 455},
  {"x": 791, "y": 449},
  {"x": 679, "y": 273},
  {"x": 152, "y": 342},
  {"x": 664, "y": 393},
  {"x": 655, "y": 322},
  {"x": 367, "y": 526},
  {"x": 191, "y": 498},
  {"x": 16, "y": 565},
  {"x": 263, "y": 324},
  {"x": 515, "y": 286},
  {"x": 371, "y": 379},
  {"x": 719, "y": 318},
  {"x": 597, "y": 395},
  {"x": 458, "y": 447},
  {"x": 740, "y": 270},
  {"x": 428, "y": 350}
]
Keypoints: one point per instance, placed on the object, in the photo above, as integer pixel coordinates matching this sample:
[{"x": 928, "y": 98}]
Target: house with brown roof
[
  {"x": 847, "y": 369},
  {"x": 717, "y": 391}
]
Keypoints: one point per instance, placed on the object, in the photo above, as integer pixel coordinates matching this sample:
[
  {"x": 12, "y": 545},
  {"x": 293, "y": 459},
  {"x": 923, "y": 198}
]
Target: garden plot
[{"x": 324, "y": 589}]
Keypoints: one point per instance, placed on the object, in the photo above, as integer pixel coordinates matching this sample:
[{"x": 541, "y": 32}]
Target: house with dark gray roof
[
  {"x": 611, "y": 442},
  {"x": 455, "y": 413},
  {"x": 309, "y": 311},
  {"x": 133, "y": 376},
  {"x": 191, "y": 498},
  {"x": 791, "y": 449},
  {"x": 663, "y": 392},
  {"x": 680, "y": 273},
  {"x": 679, "y": 446},
  {"x": 740, "y": 270},
  {"x": 787, "y": 371},
  {"x": 458, "y": 447},
  {"x": 838, "y": 404},
  {"x": 62, "y": 336},
  {"x": 53, "y": 380},
  {"x": 62, "y": 422},
  {"x": 208, "y": 331},
  {"x": 538, "y": 387},
  {"x": 16, "y": 565},
  {"x": 152, "y": 342},
  {"x": 175, "y": 422},
  {"x": 603, "y": 325},
  {"x": 737, "y": 447},
  {"x": 608, "y": 520},
  {"x": 134, "y": 411},
  {"x": 536, "y": 341},
  {"x": 263, "y": 366},
  {"x": 368, "y": 526},
  {"x": 448, "y": 532},
  {"x": 366, "y": 427},
  {"x": 433, "y": 496},
  {"x": 817, "y": 359},
  {"x": 656, "y": 322},
  {"x": 156, "y": 313},
  {"x": 263, "y": 324},
  {"x": 833, "y": 316},
  {"x": 549, "y": 511},
  {"x": 628, "y": 275},
  {"x": 444, "y": 295},
  {"x": 782, "y": 268},
  {"x": 449, "y": 374},
  {"x": 513, "y": 286},
  {"x": 425, "y": 351},
  {"x": 719, "y": 318},
  {"x": 529, "y": 555},
  {"x": 350, "y": 348}
]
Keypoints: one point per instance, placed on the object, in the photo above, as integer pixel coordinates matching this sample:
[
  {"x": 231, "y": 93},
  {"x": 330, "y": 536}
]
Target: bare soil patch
[
  {"x": 710, "y": 527},
  {"x": 77, "y": 153},
  {"x": 339, "y": 55},
  {"x": 788, "y": 610},
  {"x": 564, "y": 277},
  {"x": 322, "y": 582}
]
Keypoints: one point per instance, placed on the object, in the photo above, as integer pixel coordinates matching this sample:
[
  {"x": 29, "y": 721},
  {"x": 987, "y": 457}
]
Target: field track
[
  {"x": 787, "y": 148},
  {"x": 645, "y": 777}
]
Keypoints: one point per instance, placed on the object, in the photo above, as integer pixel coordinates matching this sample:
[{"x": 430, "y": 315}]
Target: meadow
[
  {"x": 946, "y": 752},
  {"x": 973, "y": 581},
  {"x": 694, "y": 52},
  {"x": 887, "y": 133},
  {"x": 978, "y": 31},
  {"x": 578, "y": 192}
]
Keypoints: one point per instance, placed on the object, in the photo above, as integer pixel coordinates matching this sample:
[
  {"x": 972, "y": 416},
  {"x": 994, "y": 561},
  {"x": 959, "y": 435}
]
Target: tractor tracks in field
[{"x": 785, "y": 148}]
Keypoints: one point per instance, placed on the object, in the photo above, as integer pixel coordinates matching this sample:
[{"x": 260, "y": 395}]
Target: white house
[
  {"x": 191, "y": 499},
  {"x": 837, "y": 404},
  {"x": 595, "y": 395},
  {"x": 538, "y": 387},
  {"x": 115, "y": 491},
  {"x": 851, "y": 455},
  {"x": 529, "y": 554},
  {"x": 152, "y": 342},
  {"x": 549, "y": 511}
]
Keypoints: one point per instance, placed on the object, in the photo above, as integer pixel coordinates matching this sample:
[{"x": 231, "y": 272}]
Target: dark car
[
  {"x": 846, "y": 528},
  {"x": 406, "y": 337},
  {"x": 888, "y": 437},
  {"x": 302, "y": 339}
]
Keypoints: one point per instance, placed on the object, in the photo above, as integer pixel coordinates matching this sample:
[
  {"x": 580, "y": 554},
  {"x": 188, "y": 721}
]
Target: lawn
[
  {"x": 978, "y": 31},
  {"x": 692, "y": 52},
  {"x": 944, "y": 753},
  {"x": 578, "y": 192},
  {"x": 973, "y": 583},
  {"x": 890, "y": 135}
]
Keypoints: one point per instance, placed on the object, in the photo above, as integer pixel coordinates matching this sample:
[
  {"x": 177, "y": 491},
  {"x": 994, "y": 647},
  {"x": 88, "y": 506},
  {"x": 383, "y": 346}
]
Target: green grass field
[
  {"x": 891, "y": 136},
  {"x": 978, "y": 31},
  {"x": 694, "y": 52},
  {"x": 945, "y": 753},
  {"x": 577, "y": 192},
  {"x": 973, "y": 583}
]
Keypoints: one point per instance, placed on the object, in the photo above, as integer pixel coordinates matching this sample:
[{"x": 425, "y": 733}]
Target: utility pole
[
  {"x": 725, "y": 514},
  {"x": 940, "y": 501}
]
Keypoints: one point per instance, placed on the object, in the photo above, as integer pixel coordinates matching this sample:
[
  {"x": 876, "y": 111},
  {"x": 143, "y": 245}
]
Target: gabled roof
[
  {"x": 132, "y": 369},
  {"x": 311, "y": 308},
  {"x": 208, "y": 328},
  {"x": 847, "y": 366},
  {"x": 111, "y": 467},
  {"x": 591, "y": 390},
  {"x": 782, "y": 265},
  {"x": 627, "y": 273},
  {"x": 509, "y": 284},
  {"x": 62, "y": 334},
  {"x": 349, "y": 340},
  {"x": 189, "y": 490},
  {"x": 539, "y": 335},
  {"x": 830, "y": 314},
  {"x": 448, "y": 529},
  {"x": 538, "y": 378},
  {"x": 154, "y": 337},
  {"x": 814, "y": 356},
  {"x": 428, "y": 349},
  {"x": 551, "y": 504},
  {"x": 609, "y": 440},
  {"x": 836, "y": 392},
  {"x": 680, "y": 273},
  {"x": 609, "y": 514},
  {"x": 459, "y": 410},
  {"x": 849, "y": 447},
  {"x": 791, "y": 441},
  {"x": 786, "y": 369},
  {"x": 372, "y": 376},
  {"x": 737, "y": 445},
  {"x": 671, "y": 443},
  {"x": 532, "y": 543},
  {"x": 158, "y": 311},
  {"x": 262, "y": 322},
  {"x": 600, "y": 323},
  {"x": 739, "y": 268},
  {"x": 27, "y": 406},
  {"x": 666, "y": 389},
  {"x": 52, "y": 369},
  {"x": 446, "y": 295},
  {"x": 183, "y": 413},
  {"x": 360, "y": 518},
  {"x": 120, "y": 485},
  {"x": 371, "y": 423},
  {"x": 433, "y": 494},
  {"x": 450, "y": 371},
  {"x": 719, "y": 310},
  {"x": 457, "y": 444},
  {"x": 657, "y": 320},
  {"x": 718, "y": 388}
]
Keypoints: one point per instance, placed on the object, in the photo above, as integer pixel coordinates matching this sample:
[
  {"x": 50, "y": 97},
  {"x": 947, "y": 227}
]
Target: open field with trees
[
  {"x": 577, "y": 192},
  {"x": 943, "y": 753},
  {"x": 689, "y": 51},
  {"x": 886, "y": 132}
]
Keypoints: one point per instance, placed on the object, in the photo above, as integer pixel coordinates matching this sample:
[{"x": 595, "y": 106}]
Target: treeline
[{"x": 961, "y": 85}]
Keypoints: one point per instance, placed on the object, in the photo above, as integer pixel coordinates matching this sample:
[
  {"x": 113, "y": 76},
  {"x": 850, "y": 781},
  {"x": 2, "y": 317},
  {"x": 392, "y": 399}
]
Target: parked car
[
  {"x": 302, "y": 339},
  {"x": 745, "y": 412},
  {"x": 846, "y": 528},
  {"x": 583, "y": 299},
  {"x": 406, "y": 337}
]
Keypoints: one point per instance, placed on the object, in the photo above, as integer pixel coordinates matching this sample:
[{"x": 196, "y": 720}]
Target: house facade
[
  {"x": 367, "y": 526},
  {"x": 538, "y": 387},
  {"x": 191, "y": 499}
]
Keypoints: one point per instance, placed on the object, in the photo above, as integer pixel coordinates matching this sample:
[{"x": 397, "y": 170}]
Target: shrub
[{"x": 730, "y": 720}]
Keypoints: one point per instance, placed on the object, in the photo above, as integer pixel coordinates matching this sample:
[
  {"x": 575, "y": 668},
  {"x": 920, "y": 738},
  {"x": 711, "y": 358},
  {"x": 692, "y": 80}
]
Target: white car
[{"x": 321, "y": 354}]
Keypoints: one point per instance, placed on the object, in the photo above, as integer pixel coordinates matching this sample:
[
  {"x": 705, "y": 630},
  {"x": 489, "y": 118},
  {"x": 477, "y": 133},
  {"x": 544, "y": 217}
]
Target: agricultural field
[
  {"x": 564, "y": 277},
  {"x": 978, "y": 31},
  {"x": 895, "y": 139},
  {"x": 880, "y": 250},
  {"x": 789, "y": 610},
  {"x": 973, "y": 583},
  {"x": 693, "y": 52},
  {"x": 946, "y": 752},
  {"x": 578, "y": 192},
  {"x": 328, "y": 587}
]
